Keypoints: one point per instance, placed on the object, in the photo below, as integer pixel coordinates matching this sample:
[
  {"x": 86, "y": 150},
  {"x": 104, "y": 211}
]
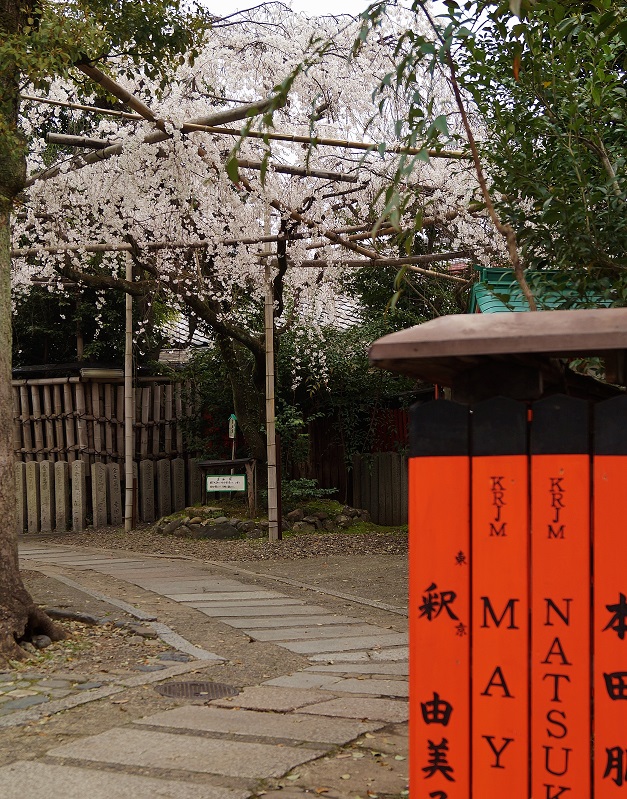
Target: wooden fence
[
  {"x": 58, "y": 496},
  {"x": 380, "y": 486},
  {"x": 69, "y": 419}
]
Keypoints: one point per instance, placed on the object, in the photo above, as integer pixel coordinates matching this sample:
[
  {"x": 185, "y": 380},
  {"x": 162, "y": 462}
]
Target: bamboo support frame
[
  {"x": 128, "y": 405},
  {"x": 258, "y": 134},
  {"x": 243, "y": 163}
]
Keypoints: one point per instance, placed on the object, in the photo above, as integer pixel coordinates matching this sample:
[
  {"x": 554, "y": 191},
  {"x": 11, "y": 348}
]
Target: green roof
[{"x": 497, "y": 291}]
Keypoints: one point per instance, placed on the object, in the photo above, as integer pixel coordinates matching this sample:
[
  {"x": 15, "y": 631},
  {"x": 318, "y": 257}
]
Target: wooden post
[
  {"x": 560, "y": 598},
  {"x": 439, "y": 601},
  {"x": 610, "y": 599},
  {"x": 274, "y": 523},
  {"x": 500, "y": 600},
  {"x": 128, "y": 404}
]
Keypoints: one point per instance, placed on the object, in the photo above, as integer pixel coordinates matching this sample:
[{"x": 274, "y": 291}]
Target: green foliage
[
  {"x": 46, "y": 324},
  {"x": 336, "y": 382},
  {"x": 302, "y": 491},
  {"x": 545, "y": 82},
  {"x": 207, "y": 376}
]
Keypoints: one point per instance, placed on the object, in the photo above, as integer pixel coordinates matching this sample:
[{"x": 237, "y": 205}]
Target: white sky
[{"x": 309, "y": 7}]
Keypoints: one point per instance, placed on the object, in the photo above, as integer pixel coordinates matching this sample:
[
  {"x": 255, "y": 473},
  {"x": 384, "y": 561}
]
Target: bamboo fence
[{"x": 68, "y": 419}]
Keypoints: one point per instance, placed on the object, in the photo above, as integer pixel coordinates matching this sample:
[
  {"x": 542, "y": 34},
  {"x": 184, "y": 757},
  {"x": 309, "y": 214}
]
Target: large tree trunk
[{"x": 20, "y": 618}]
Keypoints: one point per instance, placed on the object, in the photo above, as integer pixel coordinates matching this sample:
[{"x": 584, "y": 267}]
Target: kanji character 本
[
  {"x": 436, "y": 710},
  {"x": 618, "y": 622},
  {"x": 615, "y": 767},
  {"x": 438, "y": 761},
  {"x": 616, "y": 684},
  {"x": 434, "y": 602},
  {"x": 460, "y": 558}
]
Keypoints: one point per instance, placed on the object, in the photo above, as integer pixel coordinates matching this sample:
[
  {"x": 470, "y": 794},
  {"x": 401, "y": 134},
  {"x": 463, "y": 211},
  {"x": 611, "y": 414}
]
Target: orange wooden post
[
  {"x": 500, "y": 600},
  {"x": 439, "y": 601},
  {"x": 560, "y": 557},
  {"x": 610, "y": 599}
]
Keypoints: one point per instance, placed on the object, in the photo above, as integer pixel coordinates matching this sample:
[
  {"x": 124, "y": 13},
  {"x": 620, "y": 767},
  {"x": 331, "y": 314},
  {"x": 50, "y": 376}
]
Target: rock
[
  {"x": 343, "y": 521},
  {"x": 304, "y": 527},
  {"x": 328, "y": 524},
  {"x": 221, "y": 520},
  {"x": 28, "y": 647},
  {"x": 144, "y": 632},
  {"x": 256, "y": 532},
  {"x": 195, "y": 530},
  {"x": 196, "y": 520},
  {"x": 296, "y": 515},
  {"x": 182, "y": 531},
  {"x": 234, "y": 521},
  {"x": 285, "y": 525},
  {"x": 321, "y": 515},
  {"x": 217, "y": 531},
  {"x": 264, "y": 523},
  {"x": 41, "y": 641},
  {"x": 170, "y": 527},
  {"x": 313, "y": 520},
  {"x": 350, "y": 512},
  {"x": 246, "y": 526},
  {"x": 364, "y": 515},
  {"x": 178, "y": 657}
]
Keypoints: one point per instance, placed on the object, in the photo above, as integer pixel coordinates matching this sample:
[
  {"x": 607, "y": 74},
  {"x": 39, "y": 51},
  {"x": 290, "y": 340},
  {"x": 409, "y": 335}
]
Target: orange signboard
[
  {"x": 560, "y": 591},
  {"x": 500, "y": 601},
  {"x": 610, "y": 600},
  {"x": 439, "y": 602}
]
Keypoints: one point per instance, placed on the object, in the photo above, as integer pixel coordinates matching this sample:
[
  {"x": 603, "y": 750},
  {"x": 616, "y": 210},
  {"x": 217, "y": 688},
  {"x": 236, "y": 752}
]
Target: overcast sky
[{"x": 309, "y": 7}]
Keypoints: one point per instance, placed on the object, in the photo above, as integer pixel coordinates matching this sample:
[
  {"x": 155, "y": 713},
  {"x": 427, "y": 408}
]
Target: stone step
[
  {"x": 147, "y": 749},
  {"x": 26, "y": 779}
]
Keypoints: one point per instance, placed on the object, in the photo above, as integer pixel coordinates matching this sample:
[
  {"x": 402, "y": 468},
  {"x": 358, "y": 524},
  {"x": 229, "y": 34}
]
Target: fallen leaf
[
  {"x": 321, "y": 790},
  {"x": 369, "y": 735},
  {"x": 293, "y": 777},
  {"x": 345, "y": 777},
  {"x": 399, "y": 757}
]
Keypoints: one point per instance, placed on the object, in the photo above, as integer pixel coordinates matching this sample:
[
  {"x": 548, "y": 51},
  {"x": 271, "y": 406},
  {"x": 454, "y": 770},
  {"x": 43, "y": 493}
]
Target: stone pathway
[{"x": 354, "y": 686}]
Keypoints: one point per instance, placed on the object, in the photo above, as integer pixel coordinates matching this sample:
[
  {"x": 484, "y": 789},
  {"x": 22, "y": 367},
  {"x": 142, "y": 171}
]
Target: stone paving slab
[
  {"x": 144, "y": 749},
  {"x": 392, "y": 654},
  {"x": 344, "y": 644},
  {"x": 32, "y": 780},
  {"x": 370, "y": 686},
  {"x": 307, "y": 632},
  {"x": 271, "y": 622},
  {"x": 236, "y": 721},
  {"x": 187, "y": 586},
  {"x": 302, "y": 680},
  {"x": 401, "y": 669},
  {"x": 281, "y": 700},
  {"x": 244, "y": 608},
  {"x": 217, "y": 596},
  {"x": 355, "y": 707}
]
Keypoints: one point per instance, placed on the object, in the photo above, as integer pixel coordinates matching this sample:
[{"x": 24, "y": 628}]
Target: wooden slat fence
[
  {"x": 380, "y": 486},
  {"x": 59, "y": 496},
  {"x": 68, "y": 419}
]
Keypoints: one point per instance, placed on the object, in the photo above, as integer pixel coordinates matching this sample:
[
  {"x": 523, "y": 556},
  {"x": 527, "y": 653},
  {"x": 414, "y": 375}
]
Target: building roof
[{"x": 497, "y": 291}]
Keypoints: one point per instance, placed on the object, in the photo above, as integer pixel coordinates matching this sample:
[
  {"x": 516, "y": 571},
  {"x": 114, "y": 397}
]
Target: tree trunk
[{"x": 20, "y": 618}]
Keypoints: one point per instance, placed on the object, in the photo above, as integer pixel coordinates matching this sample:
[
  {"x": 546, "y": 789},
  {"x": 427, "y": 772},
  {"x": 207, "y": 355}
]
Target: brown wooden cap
[{"x": 438, "y": 350}]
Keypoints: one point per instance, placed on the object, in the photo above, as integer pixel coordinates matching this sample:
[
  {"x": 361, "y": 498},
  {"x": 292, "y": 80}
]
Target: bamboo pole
[
  {"x": 151, "y": 246},
  {"x": 345, "y": 144},
  {"x": 243, "y": 163},
  {"x": 128, "y": 405},
  {"x": 274, "y": 523}
]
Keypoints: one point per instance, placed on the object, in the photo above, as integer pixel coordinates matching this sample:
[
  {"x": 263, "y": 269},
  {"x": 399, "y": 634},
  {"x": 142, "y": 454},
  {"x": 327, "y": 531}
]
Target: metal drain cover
[{"x": 197, "y": 690}]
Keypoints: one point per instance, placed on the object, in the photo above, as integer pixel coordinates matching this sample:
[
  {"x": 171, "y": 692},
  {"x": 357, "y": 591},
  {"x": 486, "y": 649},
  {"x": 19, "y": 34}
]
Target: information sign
[{"x": 226, "y": 482}]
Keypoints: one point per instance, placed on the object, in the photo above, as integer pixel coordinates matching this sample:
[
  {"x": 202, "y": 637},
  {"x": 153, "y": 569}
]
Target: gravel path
[{"x": 304, "y": 545}]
